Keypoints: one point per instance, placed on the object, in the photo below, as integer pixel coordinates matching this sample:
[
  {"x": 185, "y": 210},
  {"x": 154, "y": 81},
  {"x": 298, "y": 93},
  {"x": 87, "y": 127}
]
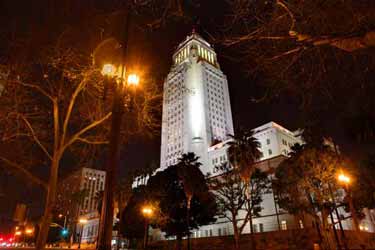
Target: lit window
[
  {"x": 283, "y": 225},
  {"x": 300, "y": 223}
]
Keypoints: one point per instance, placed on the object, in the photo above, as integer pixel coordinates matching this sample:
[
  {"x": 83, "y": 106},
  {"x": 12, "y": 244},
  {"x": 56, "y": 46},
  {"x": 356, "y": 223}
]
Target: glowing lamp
[
  {"x": 133, "y": 79},
  {"x": 344, "y": 178},
  {"x": 108, "y": 70},
  {"x": 147, "y": 211}
]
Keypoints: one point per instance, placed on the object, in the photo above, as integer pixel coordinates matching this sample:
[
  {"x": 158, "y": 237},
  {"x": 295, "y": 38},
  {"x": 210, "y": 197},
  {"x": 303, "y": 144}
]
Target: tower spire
[{"x": 195, "y": 25}]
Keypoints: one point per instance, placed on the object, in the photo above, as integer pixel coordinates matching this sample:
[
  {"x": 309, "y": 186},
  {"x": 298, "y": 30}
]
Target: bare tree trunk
[
  {"x": 50, "y": 200},
  {"x": 253, "y": 243},
  {"x": 236, "y": 234},
  {"x": 248, "y": 193}
]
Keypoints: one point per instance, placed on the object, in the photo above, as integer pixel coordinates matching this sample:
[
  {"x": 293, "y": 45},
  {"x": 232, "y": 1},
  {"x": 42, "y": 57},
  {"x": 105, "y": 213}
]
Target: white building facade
[
  {"x": 93, "y": 181},
  {"x": 196, "y": 105},
  {"x": 197, "y": 118},
  {"x": 275, "y": 142}
]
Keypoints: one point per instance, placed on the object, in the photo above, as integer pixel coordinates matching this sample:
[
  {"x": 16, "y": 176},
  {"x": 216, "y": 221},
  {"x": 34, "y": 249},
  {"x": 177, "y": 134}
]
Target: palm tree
[
  {"x": 189, "y": 173},
  {"x": 243, "y": 153}
]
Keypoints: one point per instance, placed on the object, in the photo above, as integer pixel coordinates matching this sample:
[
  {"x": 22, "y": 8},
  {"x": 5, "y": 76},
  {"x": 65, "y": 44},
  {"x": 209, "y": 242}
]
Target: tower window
[{"x": 283, "y": 225}]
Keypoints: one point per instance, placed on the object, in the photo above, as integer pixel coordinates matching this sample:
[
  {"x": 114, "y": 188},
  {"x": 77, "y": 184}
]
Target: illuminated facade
[
  {"x": 78, "y": 198},
  {"x": 196, "y": 108}
]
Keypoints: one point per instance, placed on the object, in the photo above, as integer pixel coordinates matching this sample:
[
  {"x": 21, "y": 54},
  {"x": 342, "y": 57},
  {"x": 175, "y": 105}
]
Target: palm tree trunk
[
  {"x": 179, "y": 242},
  {"x": 50, "y": 200},
  {"x": 188, "y": 226},
  {"x": 188, "y": 222}
]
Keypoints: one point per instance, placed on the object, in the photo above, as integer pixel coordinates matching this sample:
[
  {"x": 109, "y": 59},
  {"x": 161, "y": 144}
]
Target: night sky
[{"x": 156, "y": 49}]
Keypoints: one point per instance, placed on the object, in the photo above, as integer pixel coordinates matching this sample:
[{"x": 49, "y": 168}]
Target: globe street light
[
  {"x": 147, "y": 212},
  {"x": 133, "y": 79},
  {"x": 122, "y": 83},
  {"x": 346, "y": 180},
  {"x": 108, "y": 70},
  {"x": 29, "y": 231}
]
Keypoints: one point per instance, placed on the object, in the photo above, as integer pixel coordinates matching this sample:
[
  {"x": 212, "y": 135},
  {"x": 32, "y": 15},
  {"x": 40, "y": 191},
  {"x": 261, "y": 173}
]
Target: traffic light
[{"x": 64, "y": 232}]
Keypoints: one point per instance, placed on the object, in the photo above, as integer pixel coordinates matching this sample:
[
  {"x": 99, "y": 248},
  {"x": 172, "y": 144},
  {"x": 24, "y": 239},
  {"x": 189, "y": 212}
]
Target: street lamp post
[
  {"x": 118, "y": 75},
  {"x": 82, "y": 222},
  {"x": 147, "y": 213},
  {"x": 345, "y": 179},
  {"x": 338, "y": 218},
  {"x": 106, "y": 215}
]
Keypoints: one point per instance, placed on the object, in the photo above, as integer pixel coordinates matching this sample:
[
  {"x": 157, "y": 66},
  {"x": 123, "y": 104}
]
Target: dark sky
[{"x": 156, "y": 49}]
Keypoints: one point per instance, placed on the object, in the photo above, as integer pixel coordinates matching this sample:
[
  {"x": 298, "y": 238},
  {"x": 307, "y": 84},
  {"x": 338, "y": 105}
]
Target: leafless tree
[
  {"x": 56, "y": 105},
  {"x": 238, "y": 200}
]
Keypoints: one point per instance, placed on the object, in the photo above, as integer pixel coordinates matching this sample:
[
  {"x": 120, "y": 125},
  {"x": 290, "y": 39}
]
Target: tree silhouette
[
  {"x": 243, "y": 153},
  {"x": 54, "y": 106},
  {"x": 315, "y": 53},
  {"x": 233, "y": 197},
  {"x": 167, "y": 188},
  {"x": 304, "y": 183},
  {"x": 191, "y": 176}
]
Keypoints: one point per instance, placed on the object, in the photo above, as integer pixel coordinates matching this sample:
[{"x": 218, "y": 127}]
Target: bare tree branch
[
  {"x": 87, "y": 128},
  {"x": 88, "y": 141},
  {"x": 78, "y": 89},
  {"x": 38, "y": 88},
  {"x": 35, "y": 137},
  {"x": 20, "y": 169}
]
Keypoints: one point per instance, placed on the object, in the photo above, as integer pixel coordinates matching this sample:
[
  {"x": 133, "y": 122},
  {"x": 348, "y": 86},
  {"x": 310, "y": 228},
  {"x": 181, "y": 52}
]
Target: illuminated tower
[{"x": 196, "y": 105}]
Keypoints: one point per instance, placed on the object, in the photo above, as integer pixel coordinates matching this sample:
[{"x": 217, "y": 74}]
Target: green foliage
[
  {"x": 303, "y": 181},
  {"x": 168, "y": 188},
  {"x": 167, "y": 192},
  {"x": 131, "y": 225},
  {"x": 243, "y": 152}
]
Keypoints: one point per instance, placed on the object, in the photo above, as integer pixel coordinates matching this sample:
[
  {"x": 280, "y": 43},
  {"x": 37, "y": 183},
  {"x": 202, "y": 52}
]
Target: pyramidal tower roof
[
  {"x": 204, "y": 50},
  {"x": 193, "y": 36}
]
